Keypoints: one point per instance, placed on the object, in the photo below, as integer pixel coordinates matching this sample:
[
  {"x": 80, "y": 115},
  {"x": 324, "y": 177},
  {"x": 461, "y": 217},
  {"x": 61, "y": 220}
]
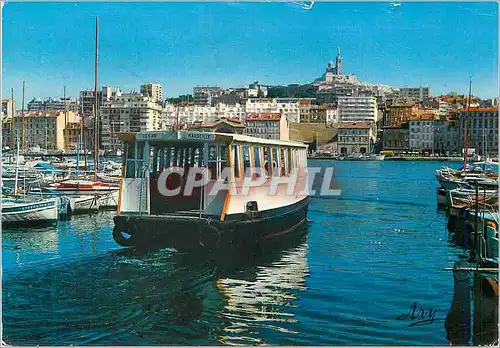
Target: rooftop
[
  {"x": 264, "y": 116},
  {"x": 231, "y": 122},
  {"x": 489, "y": 109},
  {"x": 355, "y": 125}
]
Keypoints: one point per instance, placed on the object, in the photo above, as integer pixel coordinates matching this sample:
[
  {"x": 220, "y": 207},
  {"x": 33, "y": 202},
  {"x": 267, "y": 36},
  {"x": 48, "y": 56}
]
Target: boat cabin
[{"x": 164, "y": 172}]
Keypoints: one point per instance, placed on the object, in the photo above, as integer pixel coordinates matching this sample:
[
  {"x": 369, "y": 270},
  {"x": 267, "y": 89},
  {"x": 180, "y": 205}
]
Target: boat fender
[{"x": 130, "y": 229}]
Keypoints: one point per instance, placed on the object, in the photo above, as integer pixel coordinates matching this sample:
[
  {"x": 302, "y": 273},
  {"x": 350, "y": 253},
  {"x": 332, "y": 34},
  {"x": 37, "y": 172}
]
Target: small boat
[
  {"x": 84, "y": 204},
  {"x": 23, "y": 211},
  {"x": 107, "y": 193},
  {"x": 442, "y": 199},
  {"x": 79, "y": 186},
  {"x": 158, "y": 204},
  {"x": 366, "y": 157}
]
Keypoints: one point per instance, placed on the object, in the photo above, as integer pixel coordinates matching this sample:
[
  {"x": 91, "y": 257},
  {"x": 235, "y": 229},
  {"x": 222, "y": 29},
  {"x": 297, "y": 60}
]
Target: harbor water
[{"x": 350, "y": 277}]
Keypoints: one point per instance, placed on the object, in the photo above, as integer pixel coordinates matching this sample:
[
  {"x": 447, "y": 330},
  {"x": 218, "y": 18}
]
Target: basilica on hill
[{"x": 333, "y": 73}]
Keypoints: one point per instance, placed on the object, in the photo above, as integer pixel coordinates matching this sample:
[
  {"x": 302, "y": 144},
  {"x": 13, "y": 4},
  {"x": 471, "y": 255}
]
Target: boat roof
[{"x": 176, "y": 136}]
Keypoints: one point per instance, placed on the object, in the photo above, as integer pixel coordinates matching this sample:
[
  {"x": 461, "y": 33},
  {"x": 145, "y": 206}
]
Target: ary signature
[{"x": 419, "y": 316}]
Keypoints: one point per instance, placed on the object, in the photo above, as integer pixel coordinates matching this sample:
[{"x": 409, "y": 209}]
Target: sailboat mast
[
  {"x": 96, "y": 110},
  {"x": 12, "y": 120},
  {"x": 467, "y": 125},
  {"x": 17, "y": 168},
  {"x": 65, "y": 134},
  {"x": 22, "y": 119}
]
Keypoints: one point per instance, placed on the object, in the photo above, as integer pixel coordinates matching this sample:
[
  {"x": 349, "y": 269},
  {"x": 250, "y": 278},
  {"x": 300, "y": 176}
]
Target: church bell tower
[{"x": 338, "y": 61}]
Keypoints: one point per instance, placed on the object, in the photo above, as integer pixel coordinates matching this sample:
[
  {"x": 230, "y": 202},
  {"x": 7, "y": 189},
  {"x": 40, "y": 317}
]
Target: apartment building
[
  {"x": 37, "y": 104},
  {"x": 44, "y": 128},
  {"x": 188, "y": 114},
  {"x": 357, "y": 109},
  {"x": 326, "y": 114},
  {"x": 422, "y": 133},
  {"x": 355, "y": 138},
  {"x": 130, "y": 112},
  {"x": 267, "y": 126},
  {"x": 483, "y": 130},
  {"x": 419, "y": 93},
  {"x": 396, "y": 137},
  {"x": 87, "y": 99},
  {"x": 204, "y": 95},
  {"x": 153, "y": 91},
  {"x": 446, "y": 136}
]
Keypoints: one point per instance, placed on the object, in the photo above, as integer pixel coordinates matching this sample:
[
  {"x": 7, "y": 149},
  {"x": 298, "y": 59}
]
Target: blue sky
[{"x": 181, "y": 45}]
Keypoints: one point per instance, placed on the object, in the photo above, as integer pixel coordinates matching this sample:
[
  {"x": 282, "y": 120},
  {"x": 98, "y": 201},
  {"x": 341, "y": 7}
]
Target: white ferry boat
[{"x": 199, "y": 216}]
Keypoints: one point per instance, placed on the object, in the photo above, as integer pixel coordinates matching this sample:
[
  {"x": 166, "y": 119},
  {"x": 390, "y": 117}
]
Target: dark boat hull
[{"x": 190, "y": 232}]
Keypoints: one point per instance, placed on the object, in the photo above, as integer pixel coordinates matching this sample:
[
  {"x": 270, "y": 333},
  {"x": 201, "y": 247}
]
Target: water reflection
[
  {"x": 41, "y": 240},
  {"x": 264, "y": 298},
  {"x": 153, "y": 297}
]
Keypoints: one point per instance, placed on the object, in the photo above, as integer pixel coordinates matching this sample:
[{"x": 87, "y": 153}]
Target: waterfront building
[
  {"x": 203, "y": 95},
  {"x": 419, "y": 93},
  {"x": 355, "y": 138},
  {"x": 396, "y": 138},
  {"x": 132, "y": 112},
  {"x": 483, "y": 130},
  {"x": 45, "y": 128},
  {"x": 267, "y": 126},
  {"x": 154, "y": 91},
  {"x": 446, "y": 137},
  {"x": 357, "y": 109},
  {"x": 422, "y": 133},
  {"x": 8, "y": 132},
  {"x": 230, "y": 125}
]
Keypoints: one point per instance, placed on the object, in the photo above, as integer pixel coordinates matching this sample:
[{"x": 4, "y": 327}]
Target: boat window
[
  {"x": 267, "y": 160},
  {"x": 246, "y": 159},
  {"x": 289, "y": 160},
  {"x": 130, "y": 153},
  {"x": 217, "y": 160},
  {"x": 282, "y": 163},
  {"x": 222, "y": 159},
  {"x": 276, "y": 161},
  {"x": 257, "y": 150},
  {"x": 235, "y": 160},
  {"x": 154, "y": 162}
]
